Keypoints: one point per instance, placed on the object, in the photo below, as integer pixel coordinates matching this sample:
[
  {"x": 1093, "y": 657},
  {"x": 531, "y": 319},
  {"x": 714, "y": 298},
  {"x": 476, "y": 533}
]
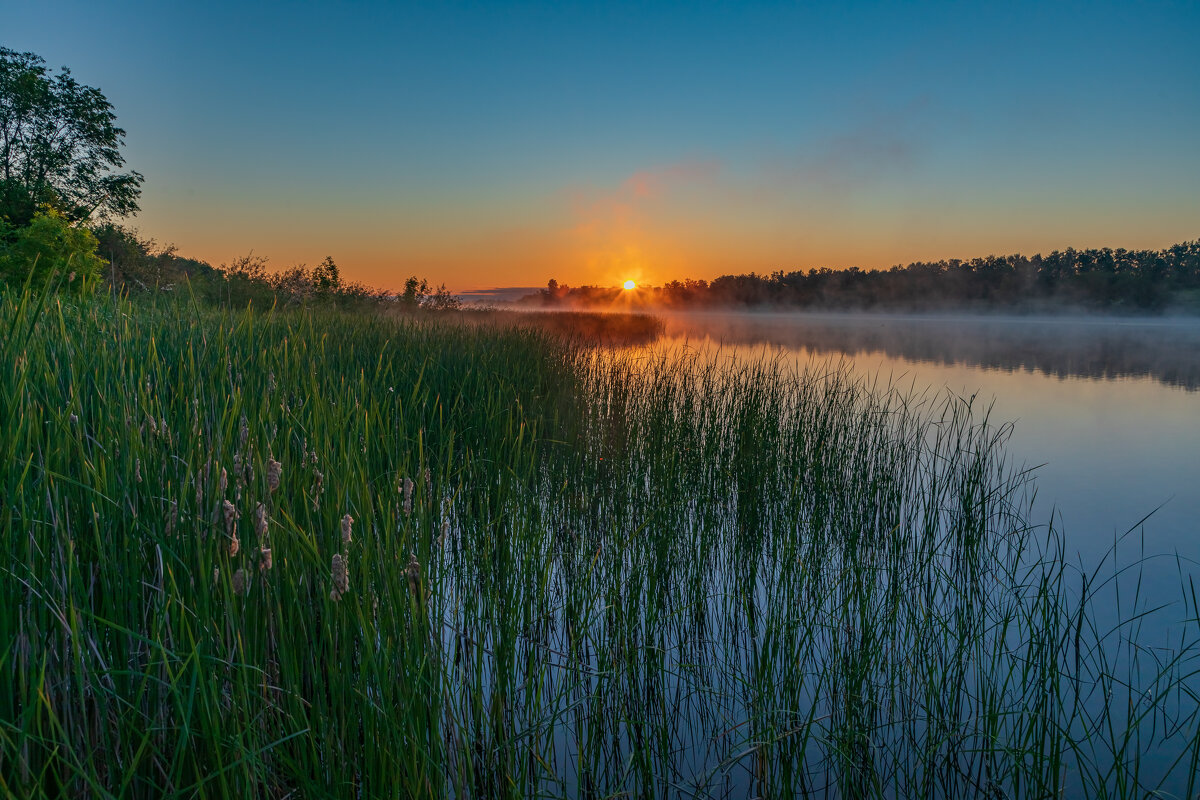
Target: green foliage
[
  {"x": 48, "y": 247},
  {"x": 570, "y": 573},
  {"x": 137, "y": 264},
  {"x": 61, "y": 144},
  {"x": 19, "y": 204}
]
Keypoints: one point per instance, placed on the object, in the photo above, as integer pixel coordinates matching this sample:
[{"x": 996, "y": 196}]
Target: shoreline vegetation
[
  {"x": 325, "y": 554},
  {"x": 1106, "y": 280}
]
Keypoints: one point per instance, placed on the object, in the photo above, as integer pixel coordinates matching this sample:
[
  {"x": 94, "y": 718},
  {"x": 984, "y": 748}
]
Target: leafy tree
[
  {"x": 59, "y": 145},
  {"x": 415, "y": 292},
  {"x": 441, "y": 300},
  {"x": 326, "y": 277},
  {"x": 49, "y": 245},
  {"x": 295, "y": 285}
]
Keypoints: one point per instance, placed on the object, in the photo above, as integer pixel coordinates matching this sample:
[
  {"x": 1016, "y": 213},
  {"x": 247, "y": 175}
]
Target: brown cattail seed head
[
  {"x": 231, "y": 513},
  {"x": 347, "y": 522},
  {"x": 318, "y": 488},
  {"x": 223, "y": 481},
  {"x": 340, "y": 576},
  {"x": 260, "y": 520},
  {"x": 274, "y": 472},
  {"x": 408, "y": 492},
  {"x": 235, "y": 545},
  {"x": 265, "y": 560},
  {"x": 137, "y": 470},
  {"x": 240, "y": 581},
  {"x": 414, "y": 576}
]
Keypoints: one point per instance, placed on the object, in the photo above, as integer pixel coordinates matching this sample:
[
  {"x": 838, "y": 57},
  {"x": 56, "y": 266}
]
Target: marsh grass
[
  {"x": 482, "y": 561},
  {"x": 593, "y": 327}
]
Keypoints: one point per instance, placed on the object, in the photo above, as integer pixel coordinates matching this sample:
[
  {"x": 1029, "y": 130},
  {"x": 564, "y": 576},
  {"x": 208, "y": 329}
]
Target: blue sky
[{"x": 488, "y": 144}]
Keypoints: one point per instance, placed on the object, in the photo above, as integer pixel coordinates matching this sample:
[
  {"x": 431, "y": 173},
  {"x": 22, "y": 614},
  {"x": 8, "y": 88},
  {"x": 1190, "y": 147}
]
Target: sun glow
[{"x": 630, "y": 285}]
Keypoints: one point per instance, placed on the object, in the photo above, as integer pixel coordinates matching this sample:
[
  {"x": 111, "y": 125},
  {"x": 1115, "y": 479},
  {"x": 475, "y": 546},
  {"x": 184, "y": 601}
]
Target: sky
[{"x": 483, "y": 145}]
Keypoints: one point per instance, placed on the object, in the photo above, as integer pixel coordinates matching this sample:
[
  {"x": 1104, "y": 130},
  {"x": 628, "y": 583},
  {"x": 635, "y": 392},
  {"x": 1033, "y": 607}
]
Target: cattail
[
  {"x": 408, "y": 493},
  {"x": 223, "y": 481},
  {"x": 441, "y": 540},
  {"x": 244, "y": 431},
  {"x": 274, "y": 472},
  {"x": 137, "y": 470},
  {"x": 152, "y": 425},
  {"x": 74, "y": 419},
  {"x": 260, "y": 520},
  {"x": 340, "y": 576},
  {"x": 265, "y": 561},
  {"x": 414, "y": 576},
  {"x": 216, "y": 575},
  {"x": 428, "y": 480},
  {"x": 347, "y": 522},
  {"x": 231, "y": 513},
  {"x": 239, "y": 581}
]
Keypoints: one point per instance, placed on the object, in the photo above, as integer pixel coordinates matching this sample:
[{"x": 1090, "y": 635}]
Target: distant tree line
[
  {"x": 108, "y": 256},
  {"x": 1100, "y": 279},
  {"x": 138, "y": 266}
]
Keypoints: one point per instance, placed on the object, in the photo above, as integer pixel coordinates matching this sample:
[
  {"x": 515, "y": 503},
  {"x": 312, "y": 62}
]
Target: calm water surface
[{"x": 1107, "y": 410}]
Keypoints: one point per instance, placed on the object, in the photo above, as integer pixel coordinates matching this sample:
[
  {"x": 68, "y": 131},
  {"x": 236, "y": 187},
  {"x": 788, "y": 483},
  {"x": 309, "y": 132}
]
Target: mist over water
[
  {"x": 1166, "y": 350},
  {"x": 1106, "y": 409},
  {"x": 1106, "y": 413}
]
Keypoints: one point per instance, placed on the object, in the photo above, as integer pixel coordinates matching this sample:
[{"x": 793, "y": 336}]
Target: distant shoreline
[{"x": 1112, "y": 281}]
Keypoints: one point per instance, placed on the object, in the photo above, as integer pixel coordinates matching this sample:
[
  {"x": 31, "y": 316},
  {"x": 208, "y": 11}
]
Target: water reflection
[{"x": 1166, "y": 350}]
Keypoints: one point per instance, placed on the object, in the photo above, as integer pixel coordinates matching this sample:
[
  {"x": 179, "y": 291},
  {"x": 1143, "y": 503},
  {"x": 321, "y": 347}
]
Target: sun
[{"x": 630, "y": 285}]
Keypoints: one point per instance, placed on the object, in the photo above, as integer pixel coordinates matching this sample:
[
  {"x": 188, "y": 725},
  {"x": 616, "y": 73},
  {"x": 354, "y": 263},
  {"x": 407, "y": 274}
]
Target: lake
[{"x": 1106, "y": 409}]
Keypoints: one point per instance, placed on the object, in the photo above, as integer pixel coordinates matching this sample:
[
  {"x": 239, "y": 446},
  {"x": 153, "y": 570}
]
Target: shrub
[{"x": 47, "y": 247}]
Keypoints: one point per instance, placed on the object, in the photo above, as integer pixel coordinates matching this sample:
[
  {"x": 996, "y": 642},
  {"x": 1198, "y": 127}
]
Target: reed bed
[{"x": 322, "y": 555}]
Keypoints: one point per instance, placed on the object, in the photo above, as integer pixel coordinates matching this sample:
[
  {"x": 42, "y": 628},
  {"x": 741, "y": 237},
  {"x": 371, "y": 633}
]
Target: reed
[{"x": 333, "y": 555}]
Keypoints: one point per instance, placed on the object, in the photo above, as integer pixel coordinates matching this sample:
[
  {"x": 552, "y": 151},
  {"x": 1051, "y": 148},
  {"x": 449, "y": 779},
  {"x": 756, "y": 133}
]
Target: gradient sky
[{"x": 489, "y": 145}]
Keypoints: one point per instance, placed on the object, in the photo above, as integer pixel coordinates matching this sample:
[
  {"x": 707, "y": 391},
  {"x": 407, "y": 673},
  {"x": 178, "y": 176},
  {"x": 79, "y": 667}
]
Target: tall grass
[{"x": 330, "y": 555}]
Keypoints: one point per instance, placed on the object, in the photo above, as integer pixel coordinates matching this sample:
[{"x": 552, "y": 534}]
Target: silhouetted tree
[
  {"x": 326, "y": 277},
  {"x": 59, "y": 145}
]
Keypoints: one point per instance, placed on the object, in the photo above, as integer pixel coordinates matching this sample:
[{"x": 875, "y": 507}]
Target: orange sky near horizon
[
  {"x": 656, "y": 226},
  {"x": 498, "y": 145}
]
